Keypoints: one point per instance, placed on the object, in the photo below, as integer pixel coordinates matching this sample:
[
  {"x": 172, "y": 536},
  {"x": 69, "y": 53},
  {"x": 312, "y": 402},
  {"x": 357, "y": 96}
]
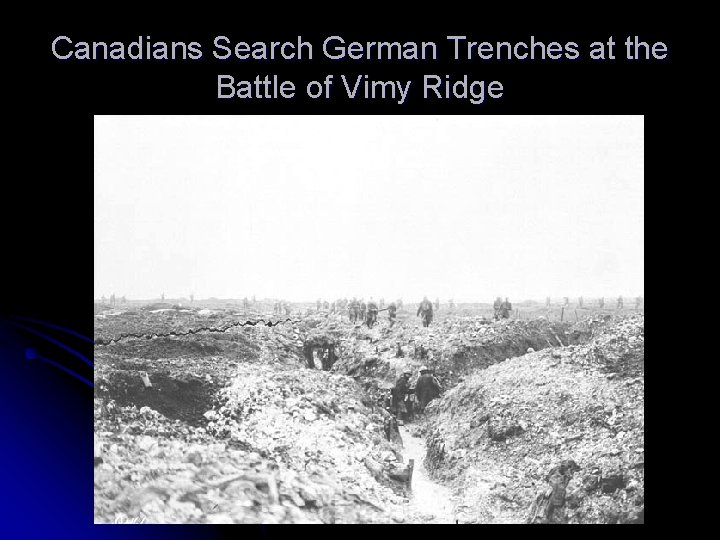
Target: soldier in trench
[
  {"x": 400, "y": 392},
  {"x": 427, "y": 388}
]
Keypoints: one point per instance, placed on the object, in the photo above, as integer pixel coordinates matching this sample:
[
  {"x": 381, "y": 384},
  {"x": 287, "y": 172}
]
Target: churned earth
[{"x": 234, "y": 426}]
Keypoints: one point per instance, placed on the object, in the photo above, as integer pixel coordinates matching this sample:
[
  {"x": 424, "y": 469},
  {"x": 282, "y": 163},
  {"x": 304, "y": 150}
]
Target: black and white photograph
[{"x": 368, "y": 319}]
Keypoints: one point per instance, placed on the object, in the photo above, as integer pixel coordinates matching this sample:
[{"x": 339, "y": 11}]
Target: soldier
[
  {"x": 620, "y": 302},
  {"x": 547, "y": 302},
  {"x": 425, "y": 311},
  {"x": 326, "y": 305},
  {"x": 362, "y": 309},
  {"x": 400, "y": 391},
  {"x": 580, "y": 302},
  {"x": 318, "y": 304},
  {"x": 245, "y": 304},
  {"x": 102, "y": 299},
  {"x": 601, "y": 303},
  {"x": 392, "y": 313},
  {"x": 497, "y": 307},
  {"x": 505, "y": 309},
  {"x": 287, "y": 310},
  {"x": 372, "y": 312},
  {"x": 399, "y": 351},
  {"x": 112, "y": 299},
  {"x": 451, "y": 303},
  {"x": 353, "y": 309},
  {"x": 192, "y": 297},
  {"x": 638, "y": 302},
  {"x": 427, "y": 388}
]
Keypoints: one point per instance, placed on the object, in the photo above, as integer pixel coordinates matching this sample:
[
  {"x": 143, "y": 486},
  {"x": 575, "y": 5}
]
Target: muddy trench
[{"x": 186, "y": 391}]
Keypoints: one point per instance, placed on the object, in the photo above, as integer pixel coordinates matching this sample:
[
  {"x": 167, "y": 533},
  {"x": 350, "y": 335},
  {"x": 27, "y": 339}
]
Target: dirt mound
[
  {"x": 453, "y": 347},
  {"x": 508, "y": 426}
]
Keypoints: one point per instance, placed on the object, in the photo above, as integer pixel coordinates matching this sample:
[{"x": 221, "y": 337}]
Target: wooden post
[{"x": 411, "y": 467}]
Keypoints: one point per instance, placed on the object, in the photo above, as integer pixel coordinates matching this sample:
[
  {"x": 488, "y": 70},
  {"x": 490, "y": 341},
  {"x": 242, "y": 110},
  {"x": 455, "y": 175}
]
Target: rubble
[
  {"x": 521, "y": 416},
  {"x": 236, "y": 427}
]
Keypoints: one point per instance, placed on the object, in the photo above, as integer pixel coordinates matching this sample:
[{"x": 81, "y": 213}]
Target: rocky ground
[
  {"x": 233, "y": 427},
  {"x": 502, "y": 430}
]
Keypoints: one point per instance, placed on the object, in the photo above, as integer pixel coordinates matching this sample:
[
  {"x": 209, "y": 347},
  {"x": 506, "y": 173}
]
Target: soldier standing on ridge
[
  {"x": 425, "y": 311},
  {"x": 497, "y": 306},
  {"x": 451, "y": 304},
  {"x": 601, "y": 302},
  {"x": 353, "y": 309},
  {"x": 363, "y": 310},
  {"x": 505, "y": 309},
  {"x": 580, "y": 302},
  {"x": 620, "y": 302},
  {"x": 372, "y": 312},
  {"x": 392, "y": 309},
  {"x": 245, "y": 305}
]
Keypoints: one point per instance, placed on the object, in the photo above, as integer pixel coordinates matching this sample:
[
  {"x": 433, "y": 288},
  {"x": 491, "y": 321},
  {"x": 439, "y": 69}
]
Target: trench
[{"x": 429, "y": 501}]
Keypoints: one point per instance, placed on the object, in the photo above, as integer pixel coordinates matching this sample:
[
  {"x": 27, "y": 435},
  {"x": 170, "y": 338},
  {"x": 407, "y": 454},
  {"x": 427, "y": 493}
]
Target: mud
[{"x": 429, "y": 501}]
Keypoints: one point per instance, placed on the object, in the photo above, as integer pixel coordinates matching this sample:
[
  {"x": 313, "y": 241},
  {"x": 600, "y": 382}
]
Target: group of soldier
[
  {"x": 601, "y": 302},
  {"x": 405, "y": 400},
  {"x": 113, "y": 300},
  {"x": 281, "y": 307},
  {"x": 502, "y": 309}
]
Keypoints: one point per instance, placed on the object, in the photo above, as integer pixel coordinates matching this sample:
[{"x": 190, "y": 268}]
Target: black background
[{"x": 47, "y": 211}]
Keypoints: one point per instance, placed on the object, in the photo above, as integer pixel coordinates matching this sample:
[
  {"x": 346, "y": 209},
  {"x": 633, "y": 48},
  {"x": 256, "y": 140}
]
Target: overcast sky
[{"x": 301, "y": 207}]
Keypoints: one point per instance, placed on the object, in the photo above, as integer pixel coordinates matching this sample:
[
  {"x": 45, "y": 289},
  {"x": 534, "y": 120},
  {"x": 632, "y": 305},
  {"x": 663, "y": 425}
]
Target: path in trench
[{"x": 430, "y": 502}]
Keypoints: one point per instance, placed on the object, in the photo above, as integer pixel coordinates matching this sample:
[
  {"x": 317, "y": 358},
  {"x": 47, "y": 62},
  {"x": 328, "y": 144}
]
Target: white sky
[{"x": 301, "y": 207}]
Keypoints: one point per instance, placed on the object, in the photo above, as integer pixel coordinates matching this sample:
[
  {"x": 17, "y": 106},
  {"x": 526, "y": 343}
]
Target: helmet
[
  {"x": 424, "y": 368},
  {"x": 407, "y": 372}
]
